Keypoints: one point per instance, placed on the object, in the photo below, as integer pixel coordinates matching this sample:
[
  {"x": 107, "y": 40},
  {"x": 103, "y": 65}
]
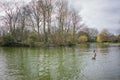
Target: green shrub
[
  {"x": 1, "y": 41},
  {"x": 8, "y": 40}
]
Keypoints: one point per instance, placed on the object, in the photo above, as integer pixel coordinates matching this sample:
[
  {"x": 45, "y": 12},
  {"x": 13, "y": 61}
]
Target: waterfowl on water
[{"x": 94, "y": 57}]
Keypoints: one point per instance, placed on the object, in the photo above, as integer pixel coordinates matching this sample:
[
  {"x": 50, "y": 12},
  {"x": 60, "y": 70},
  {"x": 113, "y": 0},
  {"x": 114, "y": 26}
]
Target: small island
[{"x": 41, "y": 24}]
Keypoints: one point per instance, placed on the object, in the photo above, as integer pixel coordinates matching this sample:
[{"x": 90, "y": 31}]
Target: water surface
[{"x": 62, "y": 63}]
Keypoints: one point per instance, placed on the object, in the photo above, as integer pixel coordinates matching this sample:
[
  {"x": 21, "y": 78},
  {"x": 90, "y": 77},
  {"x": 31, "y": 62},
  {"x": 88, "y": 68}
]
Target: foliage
[
  {"x": 81, "y": 33},
  {"x": 83, "y": 38},
  {"x": 91, "y": 33},
  {"x": 112, "y": 38},
  {"x": 103, "y": 36},
  {"x": 49, "y": 25},
  {"x": 48, "y": 22},
  {"x": 32, "y": 39},
  {"x": 8, "y": 40},
  {"x": 118, "y": 38},
  {"x": 0, "y": 41}
]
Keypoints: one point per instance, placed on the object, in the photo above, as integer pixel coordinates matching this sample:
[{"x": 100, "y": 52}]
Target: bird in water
[{"x": 94, "y": 57}]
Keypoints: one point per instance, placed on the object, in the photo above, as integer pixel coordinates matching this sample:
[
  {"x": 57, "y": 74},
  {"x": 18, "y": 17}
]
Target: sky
[{"x": 99, "y": 14}]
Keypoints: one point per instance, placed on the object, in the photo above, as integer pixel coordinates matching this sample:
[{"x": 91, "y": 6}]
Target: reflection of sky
[{"x": 100, "y": 13}]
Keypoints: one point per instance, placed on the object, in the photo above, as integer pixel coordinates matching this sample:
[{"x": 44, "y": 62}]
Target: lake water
[{"x": 62, "y": 63}]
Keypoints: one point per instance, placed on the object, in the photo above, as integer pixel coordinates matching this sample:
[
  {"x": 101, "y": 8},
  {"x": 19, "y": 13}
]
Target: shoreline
[{"x": 54, "y": 45}]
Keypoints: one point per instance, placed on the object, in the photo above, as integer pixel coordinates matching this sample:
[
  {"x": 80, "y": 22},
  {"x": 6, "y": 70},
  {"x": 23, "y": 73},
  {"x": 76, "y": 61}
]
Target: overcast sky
[{"x": 98, "y": 14}]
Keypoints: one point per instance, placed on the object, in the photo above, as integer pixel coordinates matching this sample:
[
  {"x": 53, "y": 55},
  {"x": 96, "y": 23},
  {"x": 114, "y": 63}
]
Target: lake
[{"x": 61, "y": 63}]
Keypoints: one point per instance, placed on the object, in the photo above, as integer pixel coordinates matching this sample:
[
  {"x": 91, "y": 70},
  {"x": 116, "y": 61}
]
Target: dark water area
[{"x": 61, "y": 63}]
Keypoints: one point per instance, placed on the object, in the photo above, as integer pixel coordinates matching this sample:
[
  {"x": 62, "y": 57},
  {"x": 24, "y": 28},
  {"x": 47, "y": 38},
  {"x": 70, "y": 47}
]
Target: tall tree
[
  {"x": 36, "y": 16},
  {"x": 75, "y": 22},
  {"x": 10, "y": 18},
  {"x": 103, "y": 36}
]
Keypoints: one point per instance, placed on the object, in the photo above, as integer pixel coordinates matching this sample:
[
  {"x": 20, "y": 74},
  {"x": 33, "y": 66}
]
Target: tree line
[
  {"x": 92, "y": 35},
  {"x": 46, "y": 22}
]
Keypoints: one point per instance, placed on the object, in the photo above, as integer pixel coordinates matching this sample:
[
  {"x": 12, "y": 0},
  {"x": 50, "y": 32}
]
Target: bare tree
[
  {"x": 23, "y": 15},
  {"x": 36, "y": 16},
  {"x": 76, "y": 19},
  {"x": 62, "y": 8},
  {"x": 46, "y": 18},
  {"x": 42, "y": 4},
  {"x": 49, "y": 10},
  {"x": 11, "y": 16}
]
